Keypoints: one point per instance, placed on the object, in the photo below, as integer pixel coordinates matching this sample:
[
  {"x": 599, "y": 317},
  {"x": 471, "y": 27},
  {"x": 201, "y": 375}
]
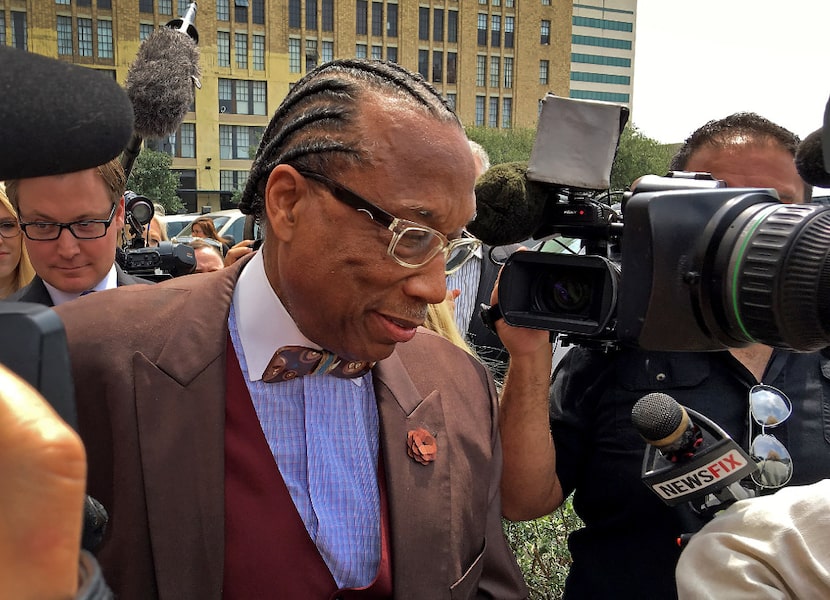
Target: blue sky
[{"x": 698, "y": 60}]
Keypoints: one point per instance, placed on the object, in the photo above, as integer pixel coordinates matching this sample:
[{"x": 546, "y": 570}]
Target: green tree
[
  {"x": 638, "y": 155},
  {"x": 504, "y": 145},
  {"x": 151, "y": 176}
]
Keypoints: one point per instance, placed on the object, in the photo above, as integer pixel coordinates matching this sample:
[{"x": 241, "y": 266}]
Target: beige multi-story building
[
  {"x": 602, "y": 50},
  {"x": 492, "y": 59}
]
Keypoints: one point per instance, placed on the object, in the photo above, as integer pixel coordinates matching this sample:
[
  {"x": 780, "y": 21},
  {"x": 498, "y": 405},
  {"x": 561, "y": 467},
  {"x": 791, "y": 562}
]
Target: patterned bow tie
[{"x": 298, "y": 361}]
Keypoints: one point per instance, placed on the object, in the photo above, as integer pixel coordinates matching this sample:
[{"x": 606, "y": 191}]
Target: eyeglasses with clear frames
[
  {"x": 769, "y": 407},
  {"x": 86, "y": 229},
  {"x": 9, "y": 229},
  {"x": 413, "y": 245}
]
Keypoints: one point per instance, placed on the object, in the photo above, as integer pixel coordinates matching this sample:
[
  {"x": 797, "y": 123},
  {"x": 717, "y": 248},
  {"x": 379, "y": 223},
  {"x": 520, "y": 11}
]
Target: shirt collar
[
  {"x": 260, "y": 338},
  {"x": 109, "y": 282}
]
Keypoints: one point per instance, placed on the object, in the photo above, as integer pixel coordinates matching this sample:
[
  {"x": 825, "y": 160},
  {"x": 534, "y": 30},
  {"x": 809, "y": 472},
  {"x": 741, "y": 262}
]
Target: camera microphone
[
  {"x": 688, "y": 456},
  {"x": 160, "y": 83},
  {"x": 509, "y": 207},
  {"x": 809, "y": 160}
]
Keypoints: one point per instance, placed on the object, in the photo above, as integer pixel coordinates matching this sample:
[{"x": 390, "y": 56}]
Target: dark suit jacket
[
  {"x": 36, "y": 291},
  {"x": 486, "y": 343},
  {"x": 151, "y": 411}
]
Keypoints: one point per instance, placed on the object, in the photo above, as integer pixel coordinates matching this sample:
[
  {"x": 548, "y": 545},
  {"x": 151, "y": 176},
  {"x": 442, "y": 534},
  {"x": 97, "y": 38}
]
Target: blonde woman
[{"x": 15, "y": 267}]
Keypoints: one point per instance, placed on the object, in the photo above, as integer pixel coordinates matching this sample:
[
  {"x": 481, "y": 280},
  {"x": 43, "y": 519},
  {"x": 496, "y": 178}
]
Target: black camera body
[{"x": 687, "y": 264}]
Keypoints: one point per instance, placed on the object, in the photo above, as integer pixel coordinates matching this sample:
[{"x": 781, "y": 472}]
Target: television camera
[
  {"x": 685, "y": 264},
  {"x": 138, "y": 257}
]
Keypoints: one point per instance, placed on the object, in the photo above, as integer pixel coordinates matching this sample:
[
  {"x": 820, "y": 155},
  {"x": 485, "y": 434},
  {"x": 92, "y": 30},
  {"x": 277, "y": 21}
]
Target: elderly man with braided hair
[{"x": 300, "y": 435}]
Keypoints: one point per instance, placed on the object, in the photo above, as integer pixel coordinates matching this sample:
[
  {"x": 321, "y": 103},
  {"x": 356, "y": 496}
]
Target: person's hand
[
  {"x": 43, "y": 478},
  {"x": 237, "y": 251},
  {"x": 520, "y": 341},
  {"x": 451, "y": 296}
]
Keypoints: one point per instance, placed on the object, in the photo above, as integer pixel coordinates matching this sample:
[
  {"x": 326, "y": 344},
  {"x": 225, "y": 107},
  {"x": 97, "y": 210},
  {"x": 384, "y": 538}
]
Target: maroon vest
[{"x": 268, "y": 552}]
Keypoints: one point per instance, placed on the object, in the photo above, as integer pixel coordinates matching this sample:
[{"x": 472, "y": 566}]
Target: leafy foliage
[
  {"x": 541, "y": 549},
  {"x": 151, "y": 176},
  {"x": 504, "y": 145},
  {"x": 638, "y": 155}
]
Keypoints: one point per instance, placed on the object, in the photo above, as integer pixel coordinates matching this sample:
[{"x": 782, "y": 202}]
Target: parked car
[
  {"x": 175, "y": 223},
  {"x": 229, "y": 224}
]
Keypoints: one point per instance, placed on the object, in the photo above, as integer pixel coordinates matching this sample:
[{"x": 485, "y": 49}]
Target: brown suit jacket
[{"x": 149, "y": 369}]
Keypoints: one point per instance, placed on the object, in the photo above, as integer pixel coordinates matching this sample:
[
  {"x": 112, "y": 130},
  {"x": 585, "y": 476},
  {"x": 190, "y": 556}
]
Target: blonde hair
[
  {"x": 24, "y": 272},
  {"x": 441, "y": 320}
]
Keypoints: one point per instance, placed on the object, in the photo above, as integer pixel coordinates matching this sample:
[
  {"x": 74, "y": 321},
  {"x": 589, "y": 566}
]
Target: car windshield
[{"x": 218, "y": 222}]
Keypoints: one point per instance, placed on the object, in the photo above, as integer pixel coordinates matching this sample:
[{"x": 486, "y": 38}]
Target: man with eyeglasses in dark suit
[{"x": 71, "y": 223}]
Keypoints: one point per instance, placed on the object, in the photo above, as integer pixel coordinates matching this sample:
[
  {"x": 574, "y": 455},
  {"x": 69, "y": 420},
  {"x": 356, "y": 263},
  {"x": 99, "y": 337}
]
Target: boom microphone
[
  {"x": 688, "y": 457},
  {"x": 160, "y": 83},
  {"x": 809, "y": 160},
  {"x": 509, "y": 207}
]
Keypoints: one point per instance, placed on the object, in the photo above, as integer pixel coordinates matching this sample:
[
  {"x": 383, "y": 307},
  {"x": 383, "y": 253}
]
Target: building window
[
  {"x": 495, "y": 38},
  {"x": 223, "y": 48},
  {"x": 62, "y": 2},
  {"x": 595, "y": 59},
  {"x": 242, "y": 97},
  {"x": 241, "y": 50},
  {"x": 508, "y": 32},
  {"x": 238, "y": 141},
  {"x": 438, "y": 25},
  {"x": 362, "y": 17},
  {"x": 294, "y": 14},
  {"x": 508, "y": 3},
  {"x": 84, "y": 37},
  {"x": 145, "y": 30},
  {"x": 479, "y": 111},
  {"x": 392, "y": 54},
  {"x": 482, "y": 29},
  {"x": 602, "y": 96},
  {"x": 481, "y": 69},
  {"x": 544, "y": 66},
  {"x": 451, "y": 100},
  {"x": 183, "y": 4},
  {"x": 494, "y": 71},
  {"x": 105, "y": 39},
  {"x": 545, "y": 2},
  {"x": 105, "y": 4},
  {"x": 377, "y": 19},
  {"x": 392, "y": 20},
  {"x": 293, "y": 55},
  {"x": 311, "y": 15},
  {"x": 327, "y": 54},
  {"x": 311, "y": 55},
  {"x": 588, "y": 40},
  {"x": 545, "y": 31},
  {"x": 223, "y": 11},
  {"x": 437, "y": 66},
  {"x": 165, "y": 7},
  {"x": 3, "y": 30},
  {"x": 423, "y": 23},
  {"x": 600, "y": 78},
  {"x": 259, "y": 97},
  {"x": 64, "y": 34},
  {"x": 452, "y": 26},
  {"x": 508, "y": 72},
  {"x": 20, "y": 33},
  {"x": 360, "y": 50},
  {"x": 258, "y": 12},
  {"x": 145, "y": 6},
  {"x": 181, "y": 144},
  {"x": 258, "y": 50},
  {"x": 423, "y": 63},
  {"x": 493, "y": 120},
  {"x": 506, "y": 113},
  {"x": 603, "y": 24},
  {"x": 377, "y": 52},
  {"x": 230, "y": 181},
  {"x": 452, "y": 67},
  {"x": 328, "y": 15},
  {"x": 240, "y": 11},
  {"x": 496, "y": 2}
]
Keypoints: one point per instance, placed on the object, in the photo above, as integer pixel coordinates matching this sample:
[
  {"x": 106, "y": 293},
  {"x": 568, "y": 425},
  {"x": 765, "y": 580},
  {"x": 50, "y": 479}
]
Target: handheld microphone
[
  {"x": 509, "y": 207},
  {"x": 688, "y": 456},
  {"x": 160, "y": 82}
]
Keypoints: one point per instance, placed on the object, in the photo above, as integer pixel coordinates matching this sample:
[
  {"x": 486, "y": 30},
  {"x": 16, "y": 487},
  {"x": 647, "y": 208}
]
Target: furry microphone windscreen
[
  {"x": 57, "y": 117},
  {"x": 809, "y": 160},
  {"x": 160, "y": 82},
  {"x": 509, "y": 208}
]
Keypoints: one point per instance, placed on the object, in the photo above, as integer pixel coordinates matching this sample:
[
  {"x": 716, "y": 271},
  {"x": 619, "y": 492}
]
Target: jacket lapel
[{"x": 419, "y": 495}]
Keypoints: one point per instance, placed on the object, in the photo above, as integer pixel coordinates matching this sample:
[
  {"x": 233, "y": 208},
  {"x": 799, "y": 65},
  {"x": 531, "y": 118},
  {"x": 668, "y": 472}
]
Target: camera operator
[
  {"x": 630, "y": 535},
  {"x": 71, "y": 225}
]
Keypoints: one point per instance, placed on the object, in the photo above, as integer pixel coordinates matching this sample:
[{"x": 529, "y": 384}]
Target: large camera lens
[
  {"x": 566, "y": 292},
  {"x": 772, "y": 268}
]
